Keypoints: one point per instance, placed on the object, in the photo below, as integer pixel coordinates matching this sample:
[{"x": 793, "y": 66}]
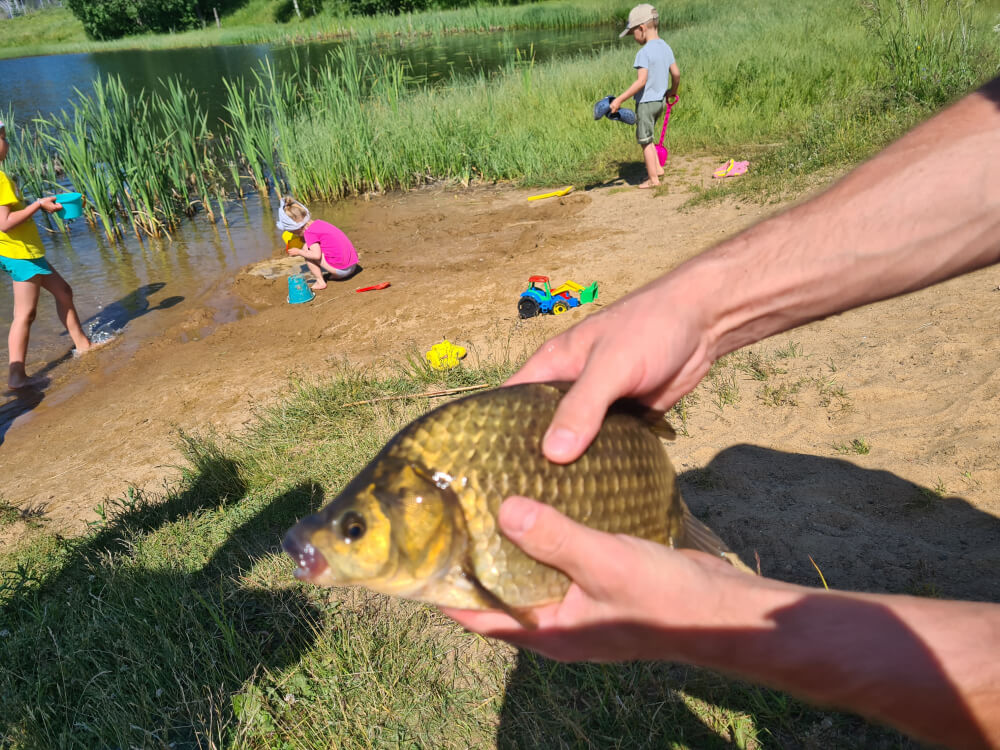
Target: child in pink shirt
[{"x": 326, "y": 249}]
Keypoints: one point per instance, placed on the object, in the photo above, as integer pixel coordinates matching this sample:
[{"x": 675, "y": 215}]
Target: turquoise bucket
[
  {"x": 72, "y": 205},
  {"x": 298, "y": 289}
]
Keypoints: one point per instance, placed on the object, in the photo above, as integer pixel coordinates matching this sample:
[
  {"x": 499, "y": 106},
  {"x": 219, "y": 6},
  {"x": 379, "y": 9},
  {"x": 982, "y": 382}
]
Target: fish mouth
[{"x": 309, "y": 561}]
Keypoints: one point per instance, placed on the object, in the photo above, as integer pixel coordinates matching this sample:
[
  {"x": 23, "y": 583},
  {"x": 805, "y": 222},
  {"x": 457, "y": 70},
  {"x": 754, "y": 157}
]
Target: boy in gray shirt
[{"x": 656, "y": 69}]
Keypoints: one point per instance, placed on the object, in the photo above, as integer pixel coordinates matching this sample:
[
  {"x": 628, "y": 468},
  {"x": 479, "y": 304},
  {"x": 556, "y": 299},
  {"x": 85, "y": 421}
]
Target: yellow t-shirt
[{"x": 22, "y": 241}]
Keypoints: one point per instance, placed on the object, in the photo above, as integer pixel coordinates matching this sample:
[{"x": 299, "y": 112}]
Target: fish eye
[{"x": 352, "y": 526}]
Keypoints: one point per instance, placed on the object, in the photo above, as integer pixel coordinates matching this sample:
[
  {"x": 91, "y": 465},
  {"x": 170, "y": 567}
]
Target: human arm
[
  {"x": 311, "y": 252},
  {"x": 924, "y": 666},
  {"x": 10, "y": 218},
  {"x": 640, "y": 82},
  {"x": 675, "y": 81},
  {"x": 923, "y": 210}
]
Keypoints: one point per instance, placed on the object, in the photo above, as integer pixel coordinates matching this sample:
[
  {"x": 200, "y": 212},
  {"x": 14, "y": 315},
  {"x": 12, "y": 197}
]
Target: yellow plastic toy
[
  {"x": 565, "y": 191},
  {"x": 292, "y": 240},
  {"x": 444, "y": 355}
]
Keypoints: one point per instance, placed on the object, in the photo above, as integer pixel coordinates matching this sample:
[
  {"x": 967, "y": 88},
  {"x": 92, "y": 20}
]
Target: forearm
[
  {"x": 14, "y": 218},
  {"x": 924, "y": 666},
  {"x": 925, "y": 209}
]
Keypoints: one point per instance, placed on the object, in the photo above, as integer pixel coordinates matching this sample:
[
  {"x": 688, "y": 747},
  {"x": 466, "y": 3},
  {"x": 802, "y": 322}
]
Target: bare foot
[
  {"x": 659, "y": 172},
  {"x": 319, "y": 285},
  {"x": 91, "y": 345},
  {"x": 648, "y": 184}
]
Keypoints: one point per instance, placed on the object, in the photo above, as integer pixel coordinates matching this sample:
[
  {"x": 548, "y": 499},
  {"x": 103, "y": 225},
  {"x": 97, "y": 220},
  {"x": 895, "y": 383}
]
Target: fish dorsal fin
[{"x": 657, "y": 421}]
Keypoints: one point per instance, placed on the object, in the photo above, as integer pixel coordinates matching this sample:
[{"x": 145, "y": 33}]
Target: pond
[
  {"x": 114, "y": 284},
  {"x": 43, "y": 85}
]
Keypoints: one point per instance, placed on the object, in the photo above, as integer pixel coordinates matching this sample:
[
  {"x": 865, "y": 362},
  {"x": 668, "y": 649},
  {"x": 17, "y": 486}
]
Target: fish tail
[{"x": 698, "y": 536}]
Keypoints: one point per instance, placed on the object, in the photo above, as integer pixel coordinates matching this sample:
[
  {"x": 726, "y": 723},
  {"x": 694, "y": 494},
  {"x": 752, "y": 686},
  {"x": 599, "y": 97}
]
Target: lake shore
[{"x": 914, "y": 378}]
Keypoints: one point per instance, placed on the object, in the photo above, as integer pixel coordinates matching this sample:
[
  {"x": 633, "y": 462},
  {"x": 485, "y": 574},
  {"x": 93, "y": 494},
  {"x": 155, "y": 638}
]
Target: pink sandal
[{"x": 731, "y": 168}]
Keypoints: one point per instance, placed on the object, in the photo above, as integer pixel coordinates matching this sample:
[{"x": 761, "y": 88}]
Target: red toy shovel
[{"x": 383, "y": 285}]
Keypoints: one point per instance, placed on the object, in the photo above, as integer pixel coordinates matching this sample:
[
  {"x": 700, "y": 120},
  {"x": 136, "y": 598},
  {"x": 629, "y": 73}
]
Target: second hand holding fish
[{"x": 611, "y": 573}]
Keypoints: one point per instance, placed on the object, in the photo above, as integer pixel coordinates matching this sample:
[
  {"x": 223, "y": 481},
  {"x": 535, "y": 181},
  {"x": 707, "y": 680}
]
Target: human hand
[
  {"x": 627, "y": 598},
  {"x": 671, "y": 95},
  {"x": 615, "y": 105},
  {"x": 49, "y": 204},
  {"x": 650, "y": 345}
]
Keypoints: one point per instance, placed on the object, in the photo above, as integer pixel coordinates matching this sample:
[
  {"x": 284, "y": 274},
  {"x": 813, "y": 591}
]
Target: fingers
[
  {"x": 571, "y": 357},
  {"x": 552, "y": 362},
  {"x": 580, "y": 414},
  {"x": 550, "y": 537}
]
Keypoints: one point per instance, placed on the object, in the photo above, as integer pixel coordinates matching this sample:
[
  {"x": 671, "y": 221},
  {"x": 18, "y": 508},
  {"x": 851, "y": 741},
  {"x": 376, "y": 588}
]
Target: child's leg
[
  {"x": 63, "y": 293},
  {"x": 313, "y": 256},
  {"x": 652, "y": 165},
  {"x": 25, "y": 305},
  {"x": 316, "y": 270}
]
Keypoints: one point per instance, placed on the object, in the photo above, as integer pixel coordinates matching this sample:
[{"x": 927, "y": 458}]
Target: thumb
[{"x": 550, "y": 537}]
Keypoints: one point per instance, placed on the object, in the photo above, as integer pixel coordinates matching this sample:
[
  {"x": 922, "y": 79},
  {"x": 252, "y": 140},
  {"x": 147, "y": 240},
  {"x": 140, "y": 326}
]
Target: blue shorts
[{"x": 25, "y": 269}]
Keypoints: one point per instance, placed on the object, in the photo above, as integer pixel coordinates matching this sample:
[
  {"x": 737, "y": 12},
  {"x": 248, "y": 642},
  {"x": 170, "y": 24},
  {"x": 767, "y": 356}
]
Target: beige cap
[{"x": 639, "y": 15}]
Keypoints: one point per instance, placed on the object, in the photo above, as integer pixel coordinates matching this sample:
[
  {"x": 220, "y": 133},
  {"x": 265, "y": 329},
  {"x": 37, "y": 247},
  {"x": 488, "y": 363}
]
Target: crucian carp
[{"x": 419, "y": 521}]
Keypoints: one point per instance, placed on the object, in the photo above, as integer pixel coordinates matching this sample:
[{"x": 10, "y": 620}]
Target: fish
[{"x": 420, "y": 520}]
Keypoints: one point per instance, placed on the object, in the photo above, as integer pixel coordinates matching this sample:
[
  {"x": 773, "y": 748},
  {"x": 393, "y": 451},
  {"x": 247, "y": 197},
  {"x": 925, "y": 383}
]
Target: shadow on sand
[{"x": 868, "y": 530}]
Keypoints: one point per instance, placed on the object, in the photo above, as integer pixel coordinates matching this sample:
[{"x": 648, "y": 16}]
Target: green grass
[
  {"x": 176, "y": 622},
  {"x": 302, "y": 131},
  {"x": 859, "y": 446},
  {"x": 357, "y": 124}
]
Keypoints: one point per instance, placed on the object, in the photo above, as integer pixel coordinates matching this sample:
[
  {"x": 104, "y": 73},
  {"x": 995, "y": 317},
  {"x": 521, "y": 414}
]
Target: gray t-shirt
[{"x": 656, "y": 57}]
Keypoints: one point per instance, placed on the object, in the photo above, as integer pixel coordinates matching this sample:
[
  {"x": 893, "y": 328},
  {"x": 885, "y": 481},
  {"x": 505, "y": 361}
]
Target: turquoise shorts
[{"x": 24, "y": 269}]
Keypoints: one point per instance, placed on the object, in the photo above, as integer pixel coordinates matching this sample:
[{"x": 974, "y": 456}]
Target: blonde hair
[{"x": 295, "y": 210}]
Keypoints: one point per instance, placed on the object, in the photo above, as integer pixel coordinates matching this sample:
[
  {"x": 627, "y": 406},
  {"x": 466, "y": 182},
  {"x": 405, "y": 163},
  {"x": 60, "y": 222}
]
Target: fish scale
[
  {"x": 446, "y": 475},
  {"x": 510, "y": 462}
]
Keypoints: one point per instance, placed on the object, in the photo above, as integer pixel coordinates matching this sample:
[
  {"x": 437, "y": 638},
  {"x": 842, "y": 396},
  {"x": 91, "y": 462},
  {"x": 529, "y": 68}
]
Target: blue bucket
[
  {"x": 298, "y": 289},
  {"x": 72, "y": 205}
]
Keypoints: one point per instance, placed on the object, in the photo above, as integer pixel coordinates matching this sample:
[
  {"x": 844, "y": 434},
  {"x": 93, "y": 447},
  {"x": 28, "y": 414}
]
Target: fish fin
[
  {"x": 525, "y": 617},
  {"x": 698, "y": 536},
  {"x": 656, "y": 420}
]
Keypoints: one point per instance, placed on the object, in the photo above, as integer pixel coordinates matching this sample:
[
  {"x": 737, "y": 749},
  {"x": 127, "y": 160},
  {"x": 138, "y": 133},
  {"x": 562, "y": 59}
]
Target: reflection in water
[
  {"x": 114, "y": 317},
  {"x": 430, "y": 60},
  {"x": 114, "y": 284}
]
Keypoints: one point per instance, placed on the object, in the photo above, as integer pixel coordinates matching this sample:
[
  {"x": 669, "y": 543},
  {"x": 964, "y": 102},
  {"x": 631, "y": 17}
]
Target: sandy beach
[{"x": 915, "y": 379}]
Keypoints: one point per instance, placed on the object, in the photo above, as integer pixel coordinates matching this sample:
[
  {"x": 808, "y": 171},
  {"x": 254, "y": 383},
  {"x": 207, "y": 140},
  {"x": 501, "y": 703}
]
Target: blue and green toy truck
[{"x": 540, "y": 299}]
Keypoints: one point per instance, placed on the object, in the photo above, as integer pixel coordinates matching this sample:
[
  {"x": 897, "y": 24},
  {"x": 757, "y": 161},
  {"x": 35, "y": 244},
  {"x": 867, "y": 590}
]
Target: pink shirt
[{"x": 337, "y": 249}]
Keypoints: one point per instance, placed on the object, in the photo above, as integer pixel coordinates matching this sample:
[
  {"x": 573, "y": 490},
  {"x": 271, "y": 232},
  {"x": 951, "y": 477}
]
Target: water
[
  {"x": 43, "y": 85},
  {"x": 116, "y": 284}
]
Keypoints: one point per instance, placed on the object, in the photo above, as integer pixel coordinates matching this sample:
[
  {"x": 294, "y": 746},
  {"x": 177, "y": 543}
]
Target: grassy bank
[
  {"x": 751, "y": 87},
  {"x": 176, "y": 622},
  {"x": 56, "y": 31}
]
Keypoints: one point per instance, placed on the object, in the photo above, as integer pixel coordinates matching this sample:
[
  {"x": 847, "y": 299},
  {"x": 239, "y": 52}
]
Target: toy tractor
[{"x": 539, "y": 299}]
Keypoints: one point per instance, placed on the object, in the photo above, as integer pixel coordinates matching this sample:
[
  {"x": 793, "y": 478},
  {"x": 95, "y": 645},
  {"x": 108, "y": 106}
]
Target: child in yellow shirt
[{"x": 22, "y": 256}]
